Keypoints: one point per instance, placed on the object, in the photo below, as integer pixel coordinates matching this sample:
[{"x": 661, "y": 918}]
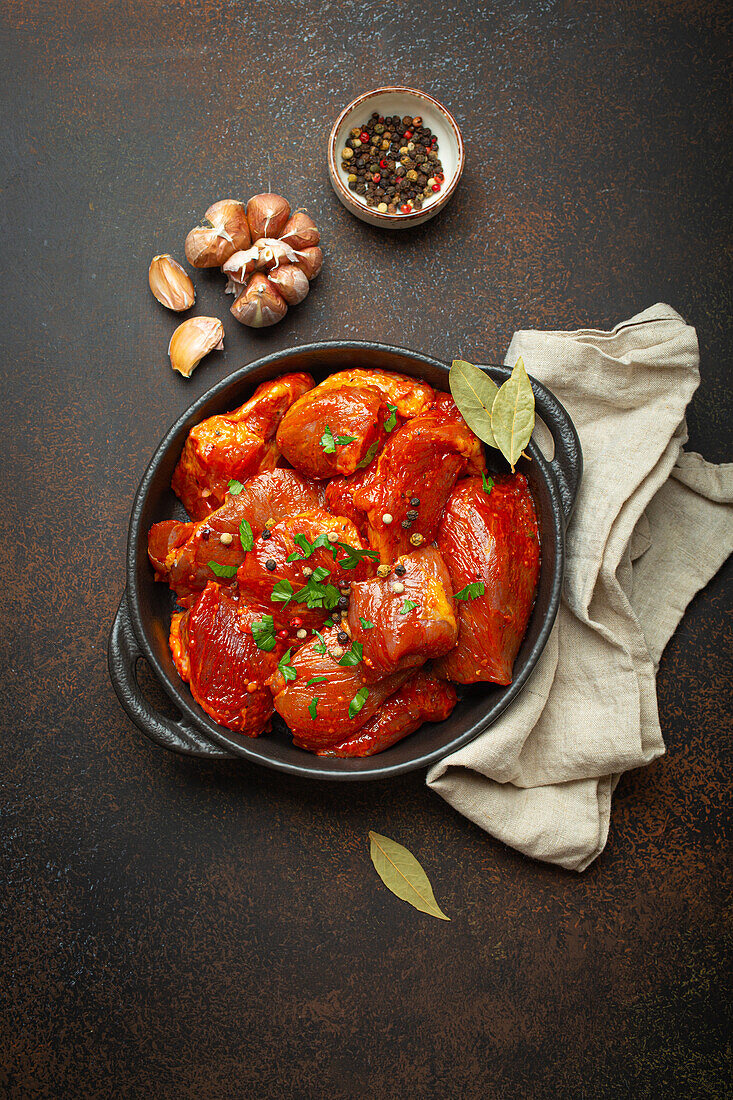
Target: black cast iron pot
[{"x": 142, "y": 621}]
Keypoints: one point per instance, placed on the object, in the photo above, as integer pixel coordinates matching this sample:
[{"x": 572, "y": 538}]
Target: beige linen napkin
[{"x": 651, "y": 526}]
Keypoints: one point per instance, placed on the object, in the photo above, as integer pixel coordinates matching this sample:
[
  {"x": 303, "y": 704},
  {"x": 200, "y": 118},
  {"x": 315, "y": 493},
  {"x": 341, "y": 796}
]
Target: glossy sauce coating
[
  {"x": 492, "y": 538},
  {"x": 238, "y": 445},
  {"x": 213, "y": 649},
  {"x": 180, "y": 552},
  {"x": 423, "y": 698},
  {"x": 355, "y": 414},
  {"x": 394, "y": 634}
]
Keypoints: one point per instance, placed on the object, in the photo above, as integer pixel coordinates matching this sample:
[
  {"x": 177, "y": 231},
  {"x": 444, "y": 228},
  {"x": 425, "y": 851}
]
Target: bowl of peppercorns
[{"x": 395, "y": 156}]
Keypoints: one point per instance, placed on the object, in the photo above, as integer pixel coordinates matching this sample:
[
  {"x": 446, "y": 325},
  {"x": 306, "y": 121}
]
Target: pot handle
[
  {"x": 122, "y": 656},
  {"x": 567, "y": 463}
]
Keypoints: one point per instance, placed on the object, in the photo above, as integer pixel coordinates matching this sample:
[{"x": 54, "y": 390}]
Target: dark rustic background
[{"x": 176, "y": 929}]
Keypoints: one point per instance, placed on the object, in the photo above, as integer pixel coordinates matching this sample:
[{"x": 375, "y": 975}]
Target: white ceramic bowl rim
[{"x": 400, "y": 90}]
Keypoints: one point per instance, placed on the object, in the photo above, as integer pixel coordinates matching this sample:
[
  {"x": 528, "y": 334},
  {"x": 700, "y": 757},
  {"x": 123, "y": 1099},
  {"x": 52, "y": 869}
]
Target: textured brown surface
[{"x": 173, "y": 929}]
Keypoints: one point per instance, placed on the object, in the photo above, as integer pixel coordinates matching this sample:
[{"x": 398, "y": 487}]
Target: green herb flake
[
  {"x": 313, "y": 707},
  {"x": 317, "y": 594},
  {"x": 358, "y": 701},
  {"x": 263, "y": 632},
  {"x": 282, "y": 592},
  {"x": 354, "y": 556},
  {"x": 471, "y": 591},
  {"x": 329, "y": 441},
  {"x": 408, "y": 605},
  {"x": 316, "y": 680},
  {"x": 286, "y": 669},
  {"x": 308, "y": 548},
  {"x": 320, "y": 646},
  {"x": 366, "y": 624},
  {"x": 222, "y": 570},
  {"x": 391, "y": 422},
  {"x": 235, "y": 488},
  {"x": 354, "y": 656},
  {"x": 488, "y": 483},
  {"x": 246, "y": 537},
  {"x": 368, "y": 456}
]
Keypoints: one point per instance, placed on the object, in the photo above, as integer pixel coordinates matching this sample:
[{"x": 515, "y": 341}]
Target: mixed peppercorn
[{"x": 393, "y": 163}]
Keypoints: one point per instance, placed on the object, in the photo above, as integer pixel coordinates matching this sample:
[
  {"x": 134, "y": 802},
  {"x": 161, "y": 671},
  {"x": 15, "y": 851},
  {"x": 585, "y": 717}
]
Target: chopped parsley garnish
[
  {"x": 391, "y": 422},
  {"x": 354, "y": 655},
  {"x": 308, "y": 548},
  {"x": 408, "y": 605},
  {"x": 246, "y": 537},
  {"x": 471, "y": 591},
  {"x": 313, "y": 707},
  {"x": 329, "y": 441},
  {"x": 354, "y": 556},
  {"x": 320, "y": 647},
  {"x": 283, "y": 592},
  {"x": 222, "y": 570},
  {"x": 358, "y": 701},
  {"x": 235, "y": 488},
  {"x": 488, "y": 483},
  {"x": 366, "y": 624},
  {"x": 316, "y": 593},
  {"x": 369, "y": 455},
  {"x": 263, "y": 632},
  {"x": 316, "y": 680},
  {"x": 285, "y": 668}
]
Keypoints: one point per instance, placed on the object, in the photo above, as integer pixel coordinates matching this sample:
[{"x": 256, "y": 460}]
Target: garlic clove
[
  {"x": 272, "y": 253},
  {"x": 227, "y": 232},
  {"x": 267, "y": 215},
  {"x": 229, "y": 217},
  {"x": 241, "y": 264},
  {"x": 291, "y": 282},
  {"x": 170, "y": 284},
  {"x": 260, "y": 305},
  {"x": 310, "y": 261},
  {"x": 301, "y": 231},
  {"x": 192, "y": 340},
  {"x": 206, "y": 247}
]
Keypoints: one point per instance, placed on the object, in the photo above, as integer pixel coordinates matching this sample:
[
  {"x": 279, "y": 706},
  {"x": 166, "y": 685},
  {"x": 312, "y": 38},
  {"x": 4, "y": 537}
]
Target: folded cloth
[{"x": 652, "y": 524}]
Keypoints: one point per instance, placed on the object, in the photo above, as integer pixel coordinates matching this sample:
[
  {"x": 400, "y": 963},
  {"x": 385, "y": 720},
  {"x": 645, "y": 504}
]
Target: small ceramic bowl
[{"x": 397, "y": 101}]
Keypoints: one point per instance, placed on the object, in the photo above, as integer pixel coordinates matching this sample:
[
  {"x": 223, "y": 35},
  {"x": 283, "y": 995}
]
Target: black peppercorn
[
  {"x": 412, "y": 514},
  {"x": 342, "y": 637},
  {"x": 271, "y": 565},
  {"x": 267, "y": 533},
  {"x": 205, "y": 534},
  {"x": 407, "y": 524},
  {"x": 343, "y": 603},
  {"x": 400, "y": 570},
  {"x": 415, "y": 502}
]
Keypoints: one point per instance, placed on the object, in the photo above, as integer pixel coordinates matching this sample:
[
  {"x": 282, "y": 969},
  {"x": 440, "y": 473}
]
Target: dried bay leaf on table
[
  {"x": 474, "y": 393},
  {"x": 512, "y": 414},
  {"x": 402, "y": 874}
]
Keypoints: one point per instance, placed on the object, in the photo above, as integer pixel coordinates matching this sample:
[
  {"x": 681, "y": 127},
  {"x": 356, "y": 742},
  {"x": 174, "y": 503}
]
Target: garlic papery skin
[
  {"x": 267, "y": 215},
  {"x": 291, "y": 282},
  {"x": 170, "y": 284},
  {"x": 260, "y": 305},
  {"x": 206, "y": 247},
  {"x": 239, "y": 266},
  {"x": 227, "y": 232},
  {"x": 310, "y": 261},
  {"x": 273, "y": 253},
  {"x": 301, "y": 231},
  {"x": 229, "y": 217},
  {"x": 234, "y": 287},
  {"x": 192, "y": 340}
]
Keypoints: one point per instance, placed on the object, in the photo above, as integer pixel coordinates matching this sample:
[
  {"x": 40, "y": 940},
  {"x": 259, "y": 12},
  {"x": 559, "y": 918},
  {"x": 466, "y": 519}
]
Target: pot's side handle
[
  {"x": 122, "y": 656},
  {"x": 567, "y": 464}
]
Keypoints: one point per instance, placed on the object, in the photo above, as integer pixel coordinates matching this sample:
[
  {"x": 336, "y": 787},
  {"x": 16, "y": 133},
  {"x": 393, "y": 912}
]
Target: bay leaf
[
  {"x": 512, "y": 414},
  {"x": 402, "y": 874},
  {"x": 474, "y": 393}
]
